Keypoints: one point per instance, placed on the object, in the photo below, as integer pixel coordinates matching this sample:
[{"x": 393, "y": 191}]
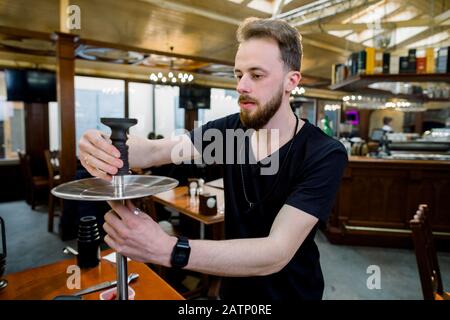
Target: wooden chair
[
  {"x": 427, "y": 260},
  {"x": 52, "y": 159},
  {"x": 33, "y": 183}
]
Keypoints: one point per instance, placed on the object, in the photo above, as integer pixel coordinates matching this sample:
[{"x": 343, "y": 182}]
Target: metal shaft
[
  {"x": 122, "y": 277},
  {"x": 121, "y": 261}
]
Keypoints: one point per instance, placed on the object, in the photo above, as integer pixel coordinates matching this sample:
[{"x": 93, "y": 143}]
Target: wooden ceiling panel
[
  {"x": 142, "y": 25},
  {"x": 197, "y": 29},
  {"x": 31, "y": 15},
  {"x": 223, "y": 7}
]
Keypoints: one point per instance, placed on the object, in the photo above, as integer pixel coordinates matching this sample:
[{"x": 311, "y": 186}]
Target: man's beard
[{"x": 259, "y": 117}]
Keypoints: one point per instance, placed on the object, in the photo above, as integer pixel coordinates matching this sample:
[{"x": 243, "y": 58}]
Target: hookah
[{"x": 123, "y": 186}]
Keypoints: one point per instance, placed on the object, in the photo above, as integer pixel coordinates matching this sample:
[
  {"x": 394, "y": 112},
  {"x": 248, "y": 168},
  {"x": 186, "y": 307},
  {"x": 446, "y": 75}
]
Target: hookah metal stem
[{"x": 121, "y": 261}]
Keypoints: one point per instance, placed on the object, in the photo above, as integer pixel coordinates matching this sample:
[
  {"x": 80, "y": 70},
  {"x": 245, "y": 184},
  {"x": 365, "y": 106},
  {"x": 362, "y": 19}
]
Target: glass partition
[{"x": 12, "y": 124}]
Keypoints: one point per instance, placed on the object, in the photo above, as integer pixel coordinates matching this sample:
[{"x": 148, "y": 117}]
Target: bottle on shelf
[{"x": 326, "y": 126}]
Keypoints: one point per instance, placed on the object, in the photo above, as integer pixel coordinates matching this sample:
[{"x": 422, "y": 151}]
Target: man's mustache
[{"x": 247, "y": 99}]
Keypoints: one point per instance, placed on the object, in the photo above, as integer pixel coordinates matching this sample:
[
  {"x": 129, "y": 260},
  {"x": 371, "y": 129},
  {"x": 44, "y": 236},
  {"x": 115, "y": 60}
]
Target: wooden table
[
  {"x": 179, "y": 200},
  {"x": 46, "y": 282}
]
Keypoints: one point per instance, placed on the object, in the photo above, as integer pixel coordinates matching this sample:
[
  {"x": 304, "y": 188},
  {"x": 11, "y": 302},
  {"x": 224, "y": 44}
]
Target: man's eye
[
  {"x": 257, "y": 76},
  {"x": 238, "y": 76}
]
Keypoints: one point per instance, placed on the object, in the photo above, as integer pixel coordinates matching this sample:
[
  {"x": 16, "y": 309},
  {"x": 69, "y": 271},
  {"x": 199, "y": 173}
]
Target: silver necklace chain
[{"x": 251, "y": 204}]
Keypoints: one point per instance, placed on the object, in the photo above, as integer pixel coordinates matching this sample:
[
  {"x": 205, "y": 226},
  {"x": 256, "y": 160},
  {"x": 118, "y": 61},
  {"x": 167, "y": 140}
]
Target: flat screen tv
[
  {"x": 195, "y": 97},
  {"x": 30, "y": 85}
]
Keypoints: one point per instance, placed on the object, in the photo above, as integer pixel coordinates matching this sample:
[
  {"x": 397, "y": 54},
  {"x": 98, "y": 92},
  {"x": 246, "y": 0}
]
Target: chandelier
[
  {"x": 171, "y": 77},
  {"x": 298, "y": 91}
]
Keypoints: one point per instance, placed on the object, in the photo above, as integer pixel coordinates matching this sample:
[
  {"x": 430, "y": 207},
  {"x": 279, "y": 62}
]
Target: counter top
[
  {"x": 361, "y": 159},
  {"x": 8, "y": 162}
]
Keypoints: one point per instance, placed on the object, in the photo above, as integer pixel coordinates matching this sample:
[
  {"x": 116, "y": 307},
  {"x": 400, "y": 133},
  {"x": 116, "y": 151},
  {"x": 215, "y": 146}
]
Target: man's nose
[{"x": 243, "y": 85}]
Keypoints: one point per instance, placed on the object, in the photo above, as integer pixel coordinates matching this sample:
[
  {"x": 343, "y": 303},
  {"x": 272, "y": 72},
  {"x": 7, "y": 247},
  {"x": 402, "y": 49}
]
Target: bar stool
[{"x": 52, "y": 159}]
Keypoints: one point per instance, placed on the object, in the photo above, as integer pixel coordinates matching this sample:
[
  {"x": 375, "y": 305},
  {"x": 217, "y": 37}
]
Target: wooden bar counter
[{"x": 378, "y": 197}]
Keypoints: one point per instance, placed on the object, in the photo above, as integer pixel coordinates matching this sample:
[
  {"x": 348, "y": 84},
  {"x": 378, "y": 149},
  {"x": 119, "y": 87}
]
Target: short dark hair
[{"x": 288, "y": 38}]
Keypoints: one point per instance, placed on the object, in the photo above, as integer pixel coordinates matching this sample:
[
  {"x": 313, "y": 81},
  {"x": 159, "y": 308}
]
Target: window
[
  {"x": 140, "y": 104},
  {"x": 168, "y": 116},
  {"x": 53, "y": 126},
  {"x": 96, "y": 98},
  {"x": 223, "y": 103},
  {"x": 12, "y": 124}
]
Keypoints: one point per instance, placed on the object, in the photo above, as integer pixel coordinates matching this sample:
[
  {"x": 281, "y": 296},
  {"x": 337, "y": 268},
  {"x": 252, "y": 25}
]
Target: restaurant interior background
[{"x": 170, "y": 65}]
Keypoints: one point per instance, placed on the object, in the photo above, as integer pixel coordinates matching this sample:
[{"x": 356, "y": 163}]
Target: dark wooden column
[
  {"x": 364, "y": 123},
  {"x": 65, "y": 51},
  {"x": 190, "y": 116},
  {"x": 418, "y": 123},
  {"x": 36, "y": 136}
]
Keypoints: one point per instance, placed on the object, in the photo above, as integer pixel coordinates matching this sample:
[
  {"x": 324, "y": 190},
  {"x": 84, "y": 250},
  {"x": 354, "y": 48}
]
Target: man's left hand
[{"x": 136, "y": 235}]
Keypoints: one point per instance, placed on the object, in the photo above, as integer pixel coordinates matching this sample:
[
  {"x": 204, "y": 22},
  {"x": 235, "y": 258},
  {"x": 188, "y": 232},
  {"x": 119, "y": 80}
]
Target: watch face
[{"x": 180, "y": 255}]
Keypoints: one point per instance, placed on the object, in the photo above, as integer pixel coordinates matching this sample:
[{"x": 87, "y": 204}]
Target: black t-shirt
[{"x": 310, "y": 170}]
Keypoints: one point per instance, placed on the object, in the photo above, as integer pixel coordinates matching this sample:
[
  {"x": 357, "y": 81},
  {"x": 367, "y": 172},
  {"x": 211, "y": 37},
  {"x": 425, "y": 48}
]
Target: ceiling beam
[
  {"x": 433, "y": 28},
  {"x": 420, "y": 36},
  {"x": 308, "y": 8},
  {"x": 393, "y": 13},
  {"x": 323, "y": 45},
  {"x": 333, "y": 43},
  {"x": 63, "y": 5},
  {"x": 359, "y": 27},
  {"x": 345, "y": 14},
  {"x": 278, "y": 6},
  {"x": 309, "y": 16}
]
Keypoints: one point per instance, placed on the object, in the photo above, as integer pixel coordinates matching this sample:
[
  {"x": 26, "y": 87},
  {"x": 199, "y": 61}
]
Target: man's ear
[{"x": 292, "y": 80}]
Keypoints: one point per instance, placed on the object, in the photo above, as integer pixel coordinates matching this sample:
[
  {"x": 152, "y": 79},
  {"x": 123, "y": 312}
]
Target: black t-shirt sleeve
[{"x": 315, "y": 189}]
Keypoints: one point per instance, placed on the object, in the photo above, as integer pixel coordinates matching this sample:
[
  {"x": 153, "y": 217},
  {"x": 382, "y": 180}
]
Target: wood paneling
[{"x": 383, "y": 194}]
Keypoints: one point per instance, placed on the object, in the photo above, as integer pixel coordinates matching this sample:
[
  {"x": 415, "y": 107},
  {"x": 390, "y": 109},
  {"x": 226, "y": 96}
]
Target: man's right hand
[{"x": 97, "y": 154}]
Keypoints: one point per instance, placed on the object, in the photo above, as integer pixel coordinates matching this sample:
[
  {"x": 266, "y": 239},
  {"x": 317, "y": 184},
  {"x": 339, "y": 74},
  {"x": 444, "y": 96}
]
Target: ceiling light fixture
[
  {"x": 171, "y": 77},
  {"x": 298, "y": 91}
]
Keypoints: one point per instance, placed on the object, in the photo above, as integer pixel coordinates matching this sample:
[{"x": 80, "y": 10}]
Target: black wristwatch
[{"x": 180, "y": 253}]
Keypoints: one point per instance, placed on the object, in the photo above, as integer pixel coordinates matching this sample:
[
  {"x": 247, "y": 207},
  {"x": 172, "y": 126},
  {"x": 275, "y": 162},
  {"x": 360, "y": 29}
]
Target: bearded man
[{"x": 270, "y": 219}]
